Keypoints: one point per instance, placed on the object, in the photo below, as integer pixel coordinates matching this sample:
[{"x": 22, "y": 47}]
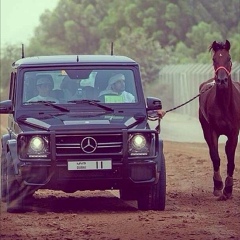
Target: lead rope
[{"x": 157, "y": 118}]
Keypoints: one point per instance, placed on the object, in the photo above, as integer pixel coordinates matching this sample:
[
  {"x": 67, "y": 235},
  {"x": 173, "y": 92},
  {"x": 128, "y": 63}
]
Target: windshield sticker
[{"x": 114, "y": 99}]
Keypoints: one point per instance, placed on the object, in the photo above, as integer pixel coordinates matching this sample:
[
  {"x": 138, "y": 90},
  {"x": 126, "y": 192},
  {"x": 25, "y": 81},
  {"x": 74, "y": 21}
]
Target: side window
[
  {"x": 12, "y": 86},
  {"x": 29, "y": 86}
]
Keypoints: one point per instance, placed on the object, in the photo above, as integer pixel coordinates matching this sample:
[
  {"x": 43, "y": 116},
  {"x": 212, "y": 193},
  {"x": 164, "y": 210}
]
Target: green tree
[
  {"x": 154, "y": 32},
  {"x": 151, "y": 57},
  {"x": 71, "y": 28},
  {"x": 200, "y": 37},
  {"x": 9, "y": 54}
]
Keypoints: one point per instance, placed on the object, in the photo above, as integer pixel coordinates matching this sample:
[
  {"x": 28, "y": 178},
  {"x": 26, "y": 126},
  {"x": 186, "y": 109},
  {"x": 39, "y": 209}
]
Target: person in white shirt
[
  {"x": 44, "y": 88},
  {"x": 115, "y": 91}
]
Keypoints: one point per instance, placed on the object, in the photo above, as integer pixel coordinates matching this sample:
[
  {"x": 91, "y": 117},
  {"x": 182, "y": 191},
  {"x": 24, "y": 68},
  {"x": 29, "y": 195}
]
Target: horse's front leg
[
  {"x": 230, "y": 149},
  {"x": 212, "y": 140},
  {"x": 217, "y": 179}
]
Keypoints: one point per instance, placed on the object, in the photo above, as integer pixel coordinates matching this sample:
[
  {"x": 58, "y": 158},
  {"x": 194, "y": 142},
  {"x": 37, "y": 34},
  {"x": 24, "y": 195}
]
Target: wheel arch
[
  {"x": 12, "y": 148},
  {"x": 160, "y": 158}
]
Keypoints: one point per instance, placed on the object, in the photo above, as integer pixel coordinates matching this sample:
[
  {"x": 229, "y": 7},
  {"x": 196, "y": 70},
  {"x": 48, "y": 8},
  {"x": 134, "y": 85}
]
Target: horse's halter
[
  {"x": 226, "y": 70},
  {"x": 221, "y": 78}
]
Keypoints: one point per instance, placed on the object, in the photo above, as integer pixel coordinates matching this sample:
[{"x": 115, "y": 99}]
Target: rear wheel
[{"x": 3, "y": 177}]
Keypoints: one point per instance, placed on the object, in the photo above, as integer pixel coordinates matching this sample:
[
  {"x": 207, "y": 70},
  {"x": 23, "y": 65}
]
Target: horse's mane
[{"x": 215, "y": 46}]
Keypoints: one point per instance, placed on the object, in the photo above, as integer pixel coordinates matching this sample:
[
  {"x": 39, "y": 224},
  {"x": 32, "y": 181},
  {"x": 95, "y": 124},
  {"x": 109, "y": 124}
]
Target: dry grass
[{"x": 3, "y": 123}]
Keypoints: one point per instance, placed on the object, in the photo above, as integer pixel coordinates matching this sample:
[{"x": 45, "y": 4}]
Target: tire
[
  {"x": 127, "y": 194},
  {"x": 155, "y": 197},
  {"x": 3, "y": 177},
  {"x": 158, "y": 191},
  {"x": 13, "y": 190},
  {"x": 143, "y": 200}
]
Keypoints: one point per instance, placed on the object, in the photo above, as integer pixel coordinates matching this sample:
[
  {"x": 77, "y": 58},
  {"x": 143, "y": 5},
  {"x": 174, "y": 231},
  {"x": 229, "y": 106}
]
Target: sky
[{"x": 19, "y": 19}]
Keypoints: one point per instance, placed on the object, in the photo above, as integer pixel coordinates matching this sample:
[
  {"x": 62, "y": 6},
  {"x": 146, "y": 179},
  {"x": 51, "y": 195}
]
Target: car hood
[{"x": 82, "y": 121}]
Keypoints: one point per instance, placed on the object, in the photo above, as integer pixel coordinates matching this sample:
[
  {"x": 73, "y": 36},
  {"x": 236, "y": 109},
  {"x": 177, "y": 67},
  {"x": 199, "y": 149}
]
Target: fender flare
[
  {"x": 12, "y": 147},
  {"x": 160, "y": 156},
  {"x": 4, "y": 141}
]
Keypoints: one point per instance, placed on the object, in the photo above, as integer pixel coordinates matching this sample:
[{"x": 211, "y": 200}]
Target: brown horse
[{"x": 219, "y": 114}]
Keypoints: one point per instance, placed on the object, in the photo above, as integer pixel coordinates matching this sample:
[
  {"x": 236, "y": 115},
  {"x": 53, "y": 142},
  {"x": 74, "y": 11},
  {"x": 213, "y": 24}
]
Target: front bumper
[
  {"x": 60, "y": 178},
  {"x": 52, "y": 172}
]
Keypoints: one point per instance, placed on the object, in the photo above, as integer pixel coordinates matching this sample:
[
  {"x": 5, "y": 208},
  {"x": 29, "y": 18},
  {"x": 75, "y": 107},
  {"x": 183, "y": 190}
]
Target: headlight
[
  {"x": 138, "y": 141},
  {"x": 38, "y": 147},
  {"x": 36, "y": 144},
  {"x": 138, "y": 145}
]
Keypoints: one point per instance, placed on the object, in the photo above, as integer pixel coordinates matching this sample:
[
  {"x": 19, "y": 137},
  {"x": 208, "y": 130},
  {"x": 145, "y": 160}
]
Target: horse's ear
[
  {"x": 227, "y": 45},
  {"x": 214, "y": 46}
]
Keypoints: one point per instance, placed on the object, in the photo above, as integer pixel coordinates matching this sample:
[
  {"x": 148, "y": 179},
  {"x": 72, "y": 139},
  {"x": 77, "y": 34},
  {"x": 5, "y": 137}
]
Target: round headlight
[
  {"x": 139, "y": 141},
  {"x": 37, "y": 144}
]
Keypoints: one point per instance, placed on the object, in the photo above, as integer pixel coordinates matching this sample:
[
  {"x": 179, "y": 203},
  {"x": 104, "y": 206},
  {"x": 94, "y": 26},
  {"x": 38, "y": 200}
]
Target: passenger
[
  {"x": 115, "y": 91},
  {"x": 69, "y": 88}
]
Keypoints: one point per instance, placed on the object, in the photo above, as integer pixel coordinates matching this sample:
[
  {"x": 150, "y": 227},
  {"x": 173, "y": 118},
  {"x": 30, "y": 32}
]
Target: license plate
[{"x": 90, "y": 165}]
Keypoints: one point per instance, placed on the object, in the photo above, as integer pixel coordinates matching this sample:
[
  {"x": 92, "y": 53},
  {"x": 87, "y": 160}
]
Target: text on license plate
[{"x": 90, "y": 165}]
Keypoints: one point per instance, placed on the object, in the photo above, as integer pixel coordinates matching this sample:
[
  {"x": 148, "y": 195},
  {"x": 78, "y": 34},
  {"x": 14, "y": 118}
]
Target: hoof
[
  {"x": 225, "y": 197},
  {"x": 228, "y": 189},
  {"x": 217, "y": 192},
  {"x": 218, "y": 185},
  {"x": 222, "y": 198}
]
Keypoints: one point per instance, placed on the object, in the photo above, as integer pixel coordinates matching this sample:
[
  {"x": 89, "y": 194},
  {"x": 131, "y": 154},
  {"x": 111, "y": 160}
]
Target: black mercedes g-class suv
[{"x": 85, "y": 135}]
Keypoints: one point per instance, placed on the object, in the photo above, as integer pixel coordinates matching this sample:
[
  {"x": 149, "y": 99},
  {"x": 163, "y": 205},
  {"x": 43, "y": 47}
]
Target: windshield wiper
[
  {"x": 52, "y": 104},
  {"x": 92, "y": 102}
]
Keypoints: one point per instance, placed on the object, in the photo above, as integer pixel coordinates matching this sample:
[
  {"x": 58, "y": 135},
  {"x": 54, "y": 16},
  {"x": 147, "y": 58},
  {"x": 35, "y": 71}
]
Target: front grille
[{"x": 88, "y": 144}]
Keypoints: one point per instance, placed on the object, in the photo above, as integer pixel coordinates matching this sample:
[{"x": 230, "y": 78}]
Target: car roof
[{"x": 73, "y": 60}]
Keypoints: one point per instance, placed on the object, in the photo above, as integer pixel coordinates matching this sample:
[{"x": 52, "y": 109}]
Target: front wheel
[
  {"x": 154, "y": 198},
  {"x": 158, "y": 191},
  {"x": 13, "y": 189},
  {"x": 127, "y": 194}
]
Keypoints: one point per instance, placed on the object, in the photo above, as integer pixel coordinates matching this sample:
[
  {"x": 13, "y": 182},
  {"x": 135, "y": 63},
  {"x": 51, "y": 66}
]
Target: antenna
[
  {"x": 111, "y": 48},
  {"x": 23, "y": 51}
]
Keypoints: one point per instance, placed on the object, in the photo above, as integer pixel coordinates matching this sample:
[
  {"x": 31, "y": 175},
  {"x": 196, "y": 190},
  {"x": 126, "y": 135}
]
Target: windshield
[{"x": 68, "y": 86}]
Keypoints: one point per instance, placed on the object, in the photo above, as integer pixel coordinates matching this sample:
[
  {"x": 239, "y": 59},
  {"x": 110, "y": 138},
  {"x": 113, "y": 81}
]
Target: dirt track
[{"x": 192, "y": 212}]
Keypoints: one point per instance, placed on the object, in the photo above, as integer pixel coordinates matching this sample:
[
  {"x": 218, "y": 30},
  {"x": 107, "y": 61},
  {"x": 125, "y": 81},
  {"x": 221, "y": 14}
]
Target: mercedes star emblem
[{"x": 88, "y": 145}]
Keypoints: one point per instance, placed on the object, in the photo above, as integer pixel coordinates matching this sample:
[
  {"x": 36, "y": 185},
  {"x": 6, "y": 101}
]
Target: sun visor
[{"x": 78, "y": 73}]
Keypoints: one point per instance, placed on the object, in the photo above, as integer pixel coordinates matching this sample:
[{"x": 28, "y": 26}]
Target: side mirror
[
  {"x": 6, "y": 107},
  {"x": 153, "y": 103}
]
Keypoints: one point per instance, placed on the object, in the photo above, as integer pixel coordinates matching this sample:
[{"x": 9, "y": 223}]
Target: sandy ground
[{"x": 192, "y": 212}]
